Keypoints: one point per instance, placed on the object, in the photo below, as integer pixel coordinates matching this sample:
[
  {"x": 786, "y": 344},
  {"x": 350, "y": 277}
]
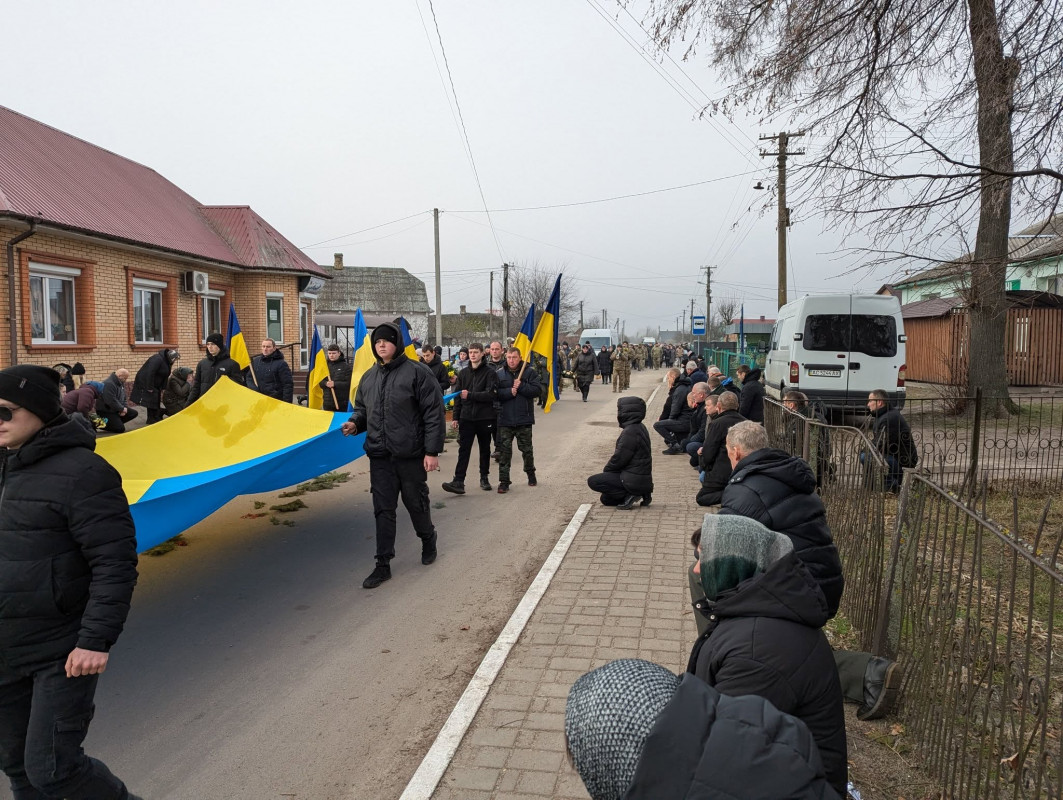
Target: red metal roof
[
  {"x": 257, "y": 243},
  {"x": 59, "y": 179}
]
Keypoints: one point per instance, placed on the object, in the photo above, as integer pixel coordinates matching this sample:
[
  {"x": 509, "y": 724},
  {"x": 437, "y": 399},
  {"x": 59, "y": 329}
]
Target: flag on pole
[
  {"x": 234, "y": 341},
  {"x": 525, "y": 334},
  {"x": 544, "y": 342},
  {"x": 408, "y": 347},
  {"x": 315, "y": 394},
  {"x": 363, "y": 358}
]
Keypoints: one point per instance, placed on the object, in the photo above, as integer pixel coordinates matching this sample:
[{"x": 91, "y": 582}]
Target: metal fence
[
  {"x": 728, "y": 360},
  {"x": 974, "y": 614},
  {"x": 959, "y": 444}
]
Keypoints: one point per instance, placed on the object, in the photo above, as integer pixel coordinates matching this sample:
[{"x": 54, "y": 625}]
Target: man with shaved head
[{"x": 112, "y": 403}]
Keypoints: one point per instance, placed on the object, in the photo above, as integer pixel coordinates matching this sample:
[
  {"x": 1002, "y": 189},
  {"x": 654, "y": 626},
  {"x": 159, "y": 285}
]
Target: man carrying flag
[
  {"x": 399, "y": 407},
  {"x": 328, "y": 384},
  {"x": 215, "y": 366},
  {"x": 525, "y": 334},
  {"x": 544, "y": 342}
]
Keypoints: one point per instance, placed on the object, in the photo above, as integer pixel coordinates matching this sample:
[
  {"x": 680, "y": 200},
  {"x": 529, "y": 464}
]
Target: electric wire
[{"x": 363, "y": 230}]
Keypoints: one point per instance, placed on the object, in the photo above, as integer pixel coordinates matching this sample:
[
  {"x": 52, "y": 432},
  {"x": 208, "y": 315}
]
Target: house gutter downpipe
[{"x": 11, "y": 288}]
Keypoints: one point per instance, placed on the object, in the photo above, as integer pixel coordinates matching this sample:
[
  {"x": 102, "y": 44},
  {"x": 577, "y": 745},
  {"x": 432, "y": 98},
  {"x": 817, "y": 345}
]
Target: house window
[
  {"x": 211, "y": 314},
  {"x": 1053, "y": 284},
  {"x": 147, "y": 311},
  {"x": 275, "y": 317},
  {"x": 53, "y": 319},
  {"x": 305, "y": 335}
]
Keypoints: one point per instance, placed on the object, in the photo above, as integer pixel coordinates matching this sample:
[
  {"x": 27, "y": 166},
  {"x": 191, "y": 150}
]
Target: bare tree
[
  {"x": 593, "y": 322},
  {"x": 532, "y": 283},
  {"x": 929, "y": 119},
  {"x": 727, "y": 309}
]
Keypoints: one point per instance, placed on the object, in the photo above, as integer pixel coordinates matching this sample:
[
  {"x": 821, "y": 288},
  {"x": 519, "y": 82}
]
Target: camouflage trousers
[{"x": 506, "y": 435}]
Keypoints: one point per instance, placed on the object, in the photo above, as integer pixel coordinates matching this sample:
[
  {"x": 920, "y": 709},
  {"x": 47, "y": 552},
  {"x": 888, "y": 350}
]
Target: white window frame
[
  {"x": 151, "y": 287},
  {"x": 275, "y": 296},
  {"x": 212, "y": 295},
  {"x": 51, "y": 272}
]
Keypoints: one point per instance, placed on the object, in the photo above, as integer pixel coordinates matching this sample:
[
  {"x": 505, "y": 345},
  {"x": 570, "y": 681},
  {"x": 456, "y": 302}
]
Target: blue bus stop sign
[{"x": 697, "y": 326}]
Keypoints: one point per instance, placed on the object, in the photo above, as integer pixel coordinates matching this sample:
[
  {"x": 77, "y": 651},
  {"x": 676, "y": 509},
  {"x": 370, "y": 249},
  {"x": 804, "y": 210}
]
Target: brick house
[{"x": 106, "y": 261}]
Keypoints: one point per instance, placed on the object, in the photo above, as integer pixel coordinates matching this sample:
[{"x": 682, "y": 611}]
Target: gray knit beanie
[
  {"x": 609, "y": 714},
  {"x": 735, "y": 548}
]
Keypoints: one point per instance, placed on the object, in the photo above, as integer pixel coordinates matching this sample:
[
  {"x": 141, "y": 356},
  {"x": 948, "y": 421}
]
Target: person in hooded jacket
[
  {"x": 605, "y": 365},
  {"x": 216, "y": 365},
  {"x": 399, "y": 407},
  {"x": 336, "y": 388},
  {"x": 83, "y": 400},
  {"x": 586, "y": 367},
  {"x": 270, "y": 374},
  {"x": 752, "y": 405},
  {"x": 765, "y": 631},
  {"x": 178, "y": 388},
  {"x": 68, "y": 565},
  {"x": 150, "y": 382},
  {"x": 634, "y": 730},
  {"x": 628, "y": 475}
]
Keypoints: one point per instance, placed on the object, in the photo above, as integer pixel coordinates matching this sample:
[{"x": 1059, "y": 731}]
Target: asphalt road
[{"x": 254, "y": 665}]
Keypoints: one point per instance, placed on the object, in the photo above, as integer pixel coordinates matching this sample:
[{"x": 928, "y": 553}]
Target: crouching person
[{"x": 628, "y": 476}]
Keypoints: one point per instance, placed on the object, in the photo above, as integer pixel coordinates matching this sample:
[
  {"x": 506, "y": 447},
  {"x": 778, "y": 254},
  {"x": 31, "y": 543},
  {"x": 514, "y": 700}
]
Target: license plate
[{"x": 824, "y": 373}]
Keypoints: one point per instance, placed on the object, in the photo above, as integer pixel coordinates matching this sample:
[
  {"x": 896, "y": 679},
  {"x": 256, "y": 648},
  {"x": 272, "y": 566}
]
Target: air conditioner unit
[{"x": 196, "y": 282}]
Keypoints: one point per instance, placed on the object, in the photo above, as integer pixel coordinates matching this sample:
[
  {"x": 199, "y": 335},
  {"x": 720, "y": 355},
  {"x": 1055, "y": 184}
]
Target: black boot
[
  {"x": 882, "y": 682},
  {"x": 485, "y": 484},
  {"x": 428, "y": 549},
  {"x": 646, "y": 498},
  {"x": 454, "y": 487},
  {"x": 629, "y": 502},
  {"x": 377, "y": 576}
]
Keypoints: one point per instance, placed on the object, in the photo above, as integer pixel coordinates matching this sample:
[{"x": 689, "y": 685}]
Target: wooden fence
[{"x": 938, "y": 347}]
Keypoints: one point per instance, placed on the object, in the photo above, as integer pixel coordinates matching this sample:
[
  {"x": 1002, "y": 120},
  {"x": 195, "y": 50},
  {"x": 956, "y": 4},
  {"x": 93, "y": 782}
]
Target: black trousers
[
  {"x": 672, "y": 430},
  {"x": 469, "y": 430},
  {"x": 154, "y": 415},
  {"x": 115, "y": 423},
  {"x": 44, "y": 717},
  {"x": 609, "y": 486},
  {"x": 390, "y": 478}
]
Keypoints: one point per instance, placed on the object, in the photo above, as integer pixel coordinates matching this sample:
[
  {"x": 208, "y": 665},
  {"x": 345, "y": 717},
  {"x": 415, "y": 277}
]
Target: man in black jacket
[
  {"x": 112, "y": 405},
  {"x": 431, "y": 359},
  {"x": 270, "y": 373},
  {"x": 400, "y": 409},
  {"x": 475, "y": 418},
  {"x": 714, "y": 464},
  {"x": 216, "y": 365},
  {"x": 518, "y": 389},
  {"x": 68, "y": 564},
  {"x": 150, "y": 382},
  {"x": 676, "y": 425},
  {"x": 752, "y": 405},
  {"x": 893, "y": 438},
  {"x": 336, "y": 388},
  {"x": 695, "y": 436}
]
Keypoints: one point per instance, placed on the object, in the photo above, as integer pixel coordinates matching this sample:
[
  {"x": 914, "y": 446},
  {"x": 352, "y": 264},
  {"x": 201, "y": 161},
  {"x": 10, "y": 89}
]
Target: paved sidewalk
[{"x": 620, "y": 592}]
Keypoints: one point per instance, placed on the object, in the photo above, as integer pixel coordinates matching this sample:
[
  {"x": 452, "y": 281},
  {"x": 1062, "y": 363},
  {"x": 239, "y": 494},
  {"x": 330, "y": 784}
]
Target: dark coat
[
  {"x": 175, "y": 395},
  {"x": 482, "y": 385},
  {"x": 678, "y": 408},
  {"x": 272, "y": 376},
  {"x": 728, "y": 385},
  {"x": 112, "y": 399},
  {"x": 151, "y": 379},
  {"x": 632, "y": 457},
  {"x": 751, "y": 404},
  {"x": 585, "y": 365},
  {"x": 697, "y": 425},
  {"x": 339, "y": 372},
  {"x": 83, "y": 400},
  {"x": 68, "y": 555},
  {"x": 517, "y": 410},
  {"x": 779, "y": 491},
  {"x": 399, "y": 407},
  {"x": 893, "y": 436},
  {"x": 210, "y": 370},
  {"x": 707, "y": 746},
  {"x": 605, "y": 363},
  {"x": 441, "y": 373},
  {"x": 765, "y": 638},
  {"x": 713, "y": 460}
]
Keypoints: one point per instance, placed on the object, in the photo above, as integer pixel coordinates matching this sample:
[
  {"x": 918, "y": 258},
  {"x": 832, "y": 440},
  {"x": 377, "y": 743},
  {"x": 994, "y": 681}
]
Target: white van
[
  {"x": 836, "y": 348},
  {"x": 599, "y": 338}
]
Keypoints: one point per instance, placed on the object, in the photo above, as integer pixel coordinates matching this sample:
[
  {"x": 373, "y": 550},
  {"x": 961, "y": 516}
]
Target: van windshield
[{"x": 874, "y": 335}]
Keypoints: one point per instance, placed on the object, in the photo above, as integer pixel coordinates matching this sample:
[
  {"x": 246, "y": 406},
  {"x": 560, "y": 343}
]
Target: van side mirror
[
  {"x": 902, "y": 338},
  {"x": 798, "y": 337}
]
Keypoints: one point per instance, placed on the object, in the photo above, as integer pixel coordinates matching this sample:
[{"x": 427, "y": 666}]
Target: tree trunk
[{"x": 995, "y": 80}]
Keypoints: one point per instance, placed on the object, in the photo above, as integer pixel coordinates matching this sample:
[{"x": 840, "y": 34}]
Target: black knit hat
[
  {"x": 387, "y": 331},
  {"x": 34, "y": 388},
  {"x": 216, "y": 339}
]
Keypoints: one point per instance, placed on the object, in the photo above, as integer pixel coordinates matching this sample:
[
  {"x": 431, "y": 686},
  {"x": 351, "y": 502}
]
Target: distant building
[
  {"x": 757, "y": 331},
  {"x": 465, "y": 327}
]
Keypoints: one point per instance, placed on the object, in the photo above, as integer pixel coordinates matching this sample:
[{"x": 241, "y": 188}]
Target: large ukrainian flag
[
  {"x": 363, "y": 358},
  {"x": 235, "y": 341},
  {"x": 524, "y": 336},
  {"x": 544, "y": 342},
  {"x": 315, "y": 394}
]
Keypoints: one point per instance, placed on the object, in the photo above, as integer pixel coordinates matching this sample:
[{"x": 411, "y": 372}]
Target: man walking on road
[
  {"x": 475, "y": 418},
  {"x": 517, "y": 395},
  {"x": 400, "y": 408},
  {"x": 68, "y": 565}
]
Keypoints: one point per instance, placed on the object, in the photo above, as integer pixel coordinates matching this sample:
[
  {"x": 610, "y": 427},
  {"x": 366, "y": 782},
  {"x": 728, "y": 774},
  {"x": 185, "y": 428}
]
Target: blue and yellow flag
[
  {"x": 544, "y": 342},
  {"x": 363, "y": 358},
  {"x": 315, "y": 393},
  {"x": 235, "y": 341},
  {"x": 525, "y": 334},
  {"x": 408, "y": 347}
]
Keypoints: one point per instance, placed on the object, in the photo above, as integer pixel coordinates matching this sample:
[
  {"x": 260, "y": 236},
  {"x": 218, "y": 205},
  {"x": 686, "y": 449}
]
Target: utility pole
[
  {"x": 784, "y": 212},
  {"x": 708, "y": 300},
  {"x": 491, "y": 306},
  {"x": 505, "y": 305},
  {"x": 439, "y": 288},
  {"x": 684, "y": 328},
  {"x": 605, "y": 319},
  {"x": 581, "y": 315}
]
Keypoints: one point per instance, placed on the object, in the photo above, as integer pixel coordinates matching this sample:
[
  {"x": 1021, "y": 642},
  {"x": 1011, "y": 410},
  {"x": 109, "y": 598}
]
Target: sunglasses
[{"x": 7, "y": 412}]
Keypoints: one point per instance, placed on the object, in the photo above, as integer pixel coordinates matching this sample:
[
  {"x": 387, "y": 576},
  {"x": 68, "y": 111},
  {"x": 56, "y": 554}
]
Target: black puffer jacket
[
  {"x": 605, "y": 364},
  {"x": 751, "y": 402},
  {"x": 779, "y": 491},
  {"x": 440, "y": 372},
  {"x": 517, "y": 410},
  {"x": 482, "y": 385},
  {"x": 893, "y": 436},
  {"x": 632, "y": 457},
  {"x": 677, "y": 398},
  {"x": 339, "y": 372},
  {"x": 765, "y": 638},
  {"x": 585, "y": 365},
  {"x": 272, "y": 376},
  {"x": 151, "y": 379},
  {"x": 210, "y": 370},
  {"x": 68, "y": 555},
  {"x": 707, "y": 746},
  {"x": 713, "y": 460},
  {"x": 402, "y": 406}
]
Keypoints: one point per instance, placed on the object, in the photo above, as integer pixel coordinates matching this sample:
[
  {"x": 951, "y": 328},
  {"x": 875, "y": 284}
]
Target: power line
[
  {"x": 363, "y": 230},
  {"x": 417, "y": 224}
]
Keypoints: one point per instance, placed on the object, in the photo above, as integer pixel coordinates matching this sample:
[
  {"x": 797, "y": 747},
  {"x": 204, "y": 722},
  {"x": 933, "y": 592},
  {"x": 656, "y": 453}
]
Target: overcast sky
[{"x": 336, "y": 122}]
